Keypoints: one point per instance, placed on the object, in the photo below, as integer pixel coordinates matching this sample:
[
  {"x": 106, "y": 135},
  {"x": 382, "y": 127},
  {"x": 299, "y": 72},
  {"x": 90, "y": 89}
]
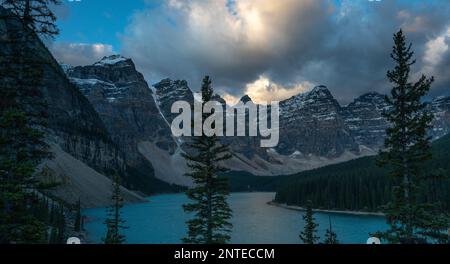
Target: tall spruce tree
[
  {"x": 22, "y": 116},
  {"x": 78, "y": 217},
  {"x": 309, "y": 233},
  {"x": 114, "y": 222},
  {"x": 330, "y": 235},
  {"x": 210, "y": 224},
  {"x": 407, "y": 148}
]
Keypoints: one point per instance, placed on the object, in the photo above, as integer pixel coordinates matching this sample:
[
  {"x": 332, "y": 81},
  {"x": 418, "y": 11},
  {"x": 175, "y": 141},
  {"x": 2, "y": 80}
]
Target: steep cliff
[
  {"x": 74, "y": 127},
  {"x": 127, "y": 107}
]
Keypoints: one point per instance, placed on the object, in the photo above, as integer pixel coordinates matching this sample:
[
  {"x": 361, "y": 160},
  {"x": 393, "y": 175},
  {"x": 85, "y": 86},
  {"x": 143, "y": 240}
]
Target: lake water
[{"x": 162, "y": 221}]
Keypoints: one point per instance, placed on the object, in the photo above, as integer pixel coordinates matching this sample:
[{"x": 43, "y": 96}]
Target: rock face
[
  {"x": 168, "y": 92},
  {"x": 126, "y": 105},
  {"x": 74, "y": 126},
  {"x": 73, "y": 122},
  {"x": 364, "y": 119},
  {"x": 440, "y": 107},
  {"x": 315, "y": 130},
  {"x": 311, "y": 123}
]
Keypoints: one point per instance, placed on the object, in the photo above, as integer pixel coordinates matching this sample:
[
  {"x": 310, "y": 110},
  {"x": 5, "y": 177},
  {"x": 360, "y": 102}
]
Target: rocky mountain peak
[
  {"x": 172, "y": 90},
  {"x": 374, "y": 99},
  {"x": 126, "y": 105},
  {"x": 113, "y": 60},
  {"x": 364, "y": 118},
  {"x": 168, "y": 87},
  {"x": 319, "y": 92},
  {"x": 314, "y": 115},
  {"x": 218, "y": 99},
  {"x": 245, "y": 99},
  {"x": 168, "y": 91},
  {"x": 113, "y": 78}
]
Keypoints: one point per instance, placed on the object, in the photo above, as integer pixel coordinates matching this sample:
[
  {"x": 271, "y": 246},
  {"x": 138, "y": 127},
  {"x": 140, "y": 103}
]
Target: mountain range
[
  {"x": 315, "y": 130},
  {"x": 104, "y": 119}
]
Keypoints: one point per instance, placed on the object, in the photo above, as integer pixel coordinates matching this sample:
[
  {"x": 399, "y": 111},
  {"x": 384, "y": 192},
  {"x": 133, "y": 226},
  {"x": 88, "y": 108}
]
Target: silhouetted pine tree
[
  {"x": 330, "y": 235},
  {"x": 309, "y": 234},
  {"x": 114, "y": 222},
  {"x": 61, "y": 225},
  {"x": 22, "y": 117},
  {"x": 53, "y": 237},
  {"x": 209, "y": 206},
  {"x": 407, "y": 148},
  {"x": 77, "y": 223}
]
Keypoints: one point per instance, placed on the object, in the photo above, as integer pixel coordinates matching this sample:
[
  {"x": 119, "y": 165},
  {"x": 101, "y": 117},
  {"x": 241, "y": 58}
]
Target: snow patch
[{"x": 110, "y": 60}]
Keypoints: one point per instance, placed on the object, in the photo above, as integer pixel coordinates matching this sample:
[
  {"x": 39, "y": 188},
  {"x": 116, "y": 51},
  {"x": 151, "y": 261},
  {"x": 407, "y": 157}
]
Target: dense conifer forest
[{"x": 360, "y": 184}]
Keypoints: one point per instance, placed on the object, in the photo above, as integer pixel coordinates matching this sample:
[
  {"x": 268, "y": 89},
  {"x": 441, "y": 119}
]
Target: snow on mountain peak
[{"x": 111, "y": 60}]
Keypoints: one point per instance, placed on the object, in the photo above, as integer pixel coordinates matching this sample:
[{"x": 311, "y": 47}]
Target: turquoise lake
[{"x": 162, "y": 221}]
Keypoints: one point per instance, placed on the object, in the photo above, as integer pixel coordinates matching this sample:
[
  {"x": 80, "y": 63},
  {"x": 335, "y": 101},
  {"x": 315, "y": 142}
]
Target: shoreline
[{"x": 299, "y": 208}]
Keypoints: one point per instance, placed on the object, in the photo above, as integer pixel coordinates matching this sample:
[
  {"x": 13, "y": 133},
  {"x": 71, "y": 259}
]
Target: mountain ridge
[{"x": 315, "y": 130}]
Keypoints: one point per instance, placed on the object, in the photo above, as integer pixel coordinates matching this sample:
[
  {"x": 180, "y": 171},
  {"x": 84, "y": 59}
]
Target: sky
[{"x": 267, "y": 49}]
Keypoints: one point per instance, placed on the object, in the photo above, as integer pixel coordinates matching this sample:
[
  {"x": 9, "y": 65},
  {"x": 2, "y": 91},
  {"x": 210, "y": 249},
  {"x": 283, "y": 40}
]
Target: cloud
[
  {"x": 77, "y": 54},
  {"x": 234, "y": 43},
  {"x": 435, "y": 50},
  {"x": 436, "y": 60},
  {"x": 264, "y": 90},
  {"x": 345, "y": 46}
]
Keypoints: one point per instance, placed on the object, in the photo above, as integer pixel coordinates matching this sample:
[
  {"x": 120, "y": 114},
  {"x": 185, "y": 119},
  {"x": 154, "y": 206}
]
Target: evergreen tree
[
  {"x": 330, "y": 235},
  {"x": 407, "y": 148},
  {"x": 23, "y": 117},
  {"x": 210, "y": 224},
  {"x": 77, "y": 224},
  {"x": 61, "y": 226},
  {"x": 35, "y": 15},
  {"x": 114, "y": 222},
  {"x": 309, "y": 234},
  {"x": 53, "y": 238},
  {"x": 82, "y": 222}
]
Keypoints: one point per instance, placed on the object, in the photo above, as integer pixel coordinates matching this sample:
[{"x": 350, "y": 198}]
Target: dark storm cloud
[{"x": 345, "y": 46}]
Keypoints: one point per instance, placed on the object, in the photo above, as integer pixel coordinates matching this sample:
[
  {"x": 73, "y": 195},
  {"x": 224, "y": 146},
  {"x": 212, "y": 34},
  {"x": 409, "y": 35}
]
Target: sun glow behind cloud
[
  {"x": 233, "y": 42},
  {"x": 263, "y": 91}
]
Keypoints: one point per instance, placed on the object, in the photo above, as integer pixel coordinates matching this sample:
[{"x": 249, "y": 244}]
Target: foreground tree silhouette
[
  {"x": 78, "y": 217},
  {"x": 309, "y": 234},
  {"x": 330, "y": 235},
  {"x": 114, "y": 222},
  {"x": 210, "y": 224},
  {"x": 23, "y": 117},
  {"x": 407, "y": 148}
]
